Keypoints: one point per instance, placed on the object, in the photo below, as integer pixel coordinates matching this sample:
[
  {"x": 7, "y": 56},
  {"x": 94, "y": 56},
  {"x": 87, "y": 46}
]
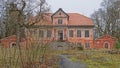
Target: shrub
[
  {"x": 80, "y": 48},
  {"x": 117, "y": 45}
]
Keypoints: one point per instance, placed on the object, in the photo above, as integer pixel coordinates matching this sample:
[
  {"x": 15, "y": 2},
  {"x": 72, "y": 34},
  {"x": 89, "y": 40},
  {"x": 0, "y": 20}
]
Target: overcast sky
[{"x": 85, "y": 7}]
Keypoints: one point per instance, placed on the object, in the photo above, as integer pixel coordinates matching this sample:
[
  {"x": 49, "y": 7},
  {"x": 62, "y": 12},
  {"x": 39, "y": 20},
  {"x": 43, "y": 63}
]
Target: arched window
[
  {"x": 13, "y": 44},
  {"x": 106, "y": 45}
]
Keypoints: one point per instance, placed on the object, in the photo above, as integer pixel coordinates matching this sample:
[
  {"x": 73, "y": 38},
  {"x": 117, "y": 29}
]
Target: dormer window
[{"x": 60, "y": 21}]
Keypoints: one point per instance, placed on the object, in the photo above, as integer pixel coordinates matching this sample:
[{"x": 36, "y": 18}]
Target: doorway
[
  {"x": 60, "y": 35},
  {"x": 106, "y": 45}
]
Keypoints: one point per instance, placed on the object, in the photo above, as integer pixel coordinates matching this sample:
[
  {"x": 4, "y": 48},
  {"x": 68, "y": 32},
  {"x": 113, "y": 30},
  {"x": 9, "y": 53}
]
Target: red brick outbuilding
[
  {"x": 10, "y": 41},
  {"x": 104, "y": 42}
]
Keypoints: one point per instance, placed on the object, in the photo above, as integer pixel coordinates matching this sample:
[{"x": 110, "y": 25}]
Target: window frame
[
  {"x": 41, "y": 36},
  {"x": 71, "y": 33},
  {"x": 32, "y": 32},
  {"x": 49, "y": 35},
  {"x": 79, "y": 35},
  {"x": 87, "y": 34},
  {"x": 60, "y": 21}
]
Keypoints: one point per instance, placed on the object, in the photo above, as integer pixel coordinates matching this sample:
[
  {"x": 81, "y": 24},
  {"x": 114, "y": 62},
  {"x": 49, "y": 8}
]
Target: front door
[{"x": 60, "y": 35}]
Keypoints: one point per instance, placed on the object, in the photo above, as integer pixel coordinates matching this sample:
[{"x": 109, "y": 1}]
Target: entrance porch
[{"x": 60, "y": 34}]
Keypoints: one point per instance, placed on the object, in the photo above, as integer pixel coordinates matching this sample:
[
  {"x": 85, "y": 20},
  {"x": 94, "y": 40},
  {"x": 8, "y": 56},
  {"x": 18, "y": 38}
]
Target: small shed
[
  {"x": 10, "y": 41},
  {"x": 104, "y": 42}
]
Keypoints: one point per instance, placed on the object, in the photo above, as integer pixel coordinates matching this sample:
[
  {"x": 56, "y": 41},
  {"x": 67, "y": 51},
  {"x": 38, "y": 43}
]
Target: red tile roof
[
  {"x": 105, "y": 37},
  {"x": 75, "y": 19},
  {"x": 78, "y": 19},
  {"x": 38, "y": 21}
]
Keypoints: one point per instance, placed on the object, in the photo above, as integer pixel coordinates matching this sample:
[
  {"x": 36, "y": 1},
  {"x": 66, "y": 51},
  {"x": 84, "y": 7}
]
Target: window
[
  {"x": 70, "y": 33},
  {"x": 32, "y": 32},
  {"x": 78, "y": 33},
  {"x": 41, "y": 33},
  {"x": 13, "y": 44},
  {"x": 86, "y": 33},
  {"x": 87, "y": 45},
  {"x": 59, "y": 21},
  {"x": 49, "y": 33}
]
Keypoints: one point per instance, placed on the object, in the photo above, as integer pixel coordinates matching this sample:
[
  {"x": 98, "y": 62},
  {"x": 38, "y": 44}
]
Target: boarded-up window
[
  {"x": 49, "y": 33},
  {"x": 86, "y": 33},
  {"x": 41, "y": 33},
  {"x": 78, "y": 33},
  {"x": 70, "y": 33}
]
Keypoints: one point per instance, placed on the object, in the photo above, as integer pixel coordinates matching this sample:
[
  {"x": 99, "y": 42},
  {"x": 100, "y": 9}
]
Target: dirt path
[{"x": 66, "y": 63}]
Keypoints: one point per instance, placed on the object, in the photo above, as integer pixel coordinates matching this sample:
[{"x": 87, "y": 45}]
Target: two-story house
[
  {"x": 72, "y": 27},
  {"x": 56, "y": 28}
]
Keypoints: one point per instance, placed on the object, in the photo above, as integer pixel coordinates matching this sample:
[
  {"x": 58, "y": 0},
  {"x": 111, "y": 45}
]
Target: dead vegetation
[{"x": 37, "y": 57}]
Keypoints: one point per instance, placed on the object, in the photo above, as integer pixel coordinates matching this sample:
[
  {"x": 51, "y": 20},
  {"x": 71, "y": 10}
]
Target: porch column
[
  {"x": 65, "y": 34},
  {"x": 54, "y": 33}
]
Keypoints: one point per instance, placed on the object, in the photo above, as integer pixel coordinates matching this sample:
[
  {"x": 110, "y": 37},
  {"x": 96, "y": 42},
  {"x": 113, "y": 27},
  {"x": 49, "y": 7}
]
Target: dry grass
[
  {"x": 97, "y": 59},
  {"x": 40, "y": 56},
  {"x": 35, "y": 57}
]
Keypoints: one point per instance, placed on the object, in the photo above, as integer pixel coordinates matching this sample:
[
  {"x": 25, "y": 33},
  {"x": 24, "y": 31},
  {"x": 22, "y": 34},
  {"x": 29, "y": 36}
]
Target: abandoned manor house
[{"x": 73, "y": 27}]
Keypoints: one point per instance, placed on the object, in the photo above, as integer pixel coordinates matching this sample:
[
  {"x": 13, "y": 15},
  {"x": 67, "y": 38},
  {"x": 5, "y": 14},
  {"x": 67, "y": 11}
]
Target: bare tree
[
  {"x": 17, "y": 14},
  {"x": 106, "y": 19},
  {"x": 2, "y": 18}
]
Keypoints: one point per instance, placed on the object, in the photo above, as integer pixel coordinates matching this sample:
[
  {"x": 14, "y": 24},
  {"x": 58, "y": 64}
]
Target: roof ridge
[{"x": 80, "y": 14}]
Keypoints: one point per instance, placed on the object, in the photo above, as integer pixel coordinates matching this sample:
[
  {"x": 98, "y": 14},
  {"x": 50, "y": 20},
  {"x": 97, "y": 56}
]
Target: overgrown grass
[
  {"x": 97, "y": 59},
  {"x": 102, "y": 59},
  {"x": 37, "y": 56},
  {"x": 41, "y": 56}
]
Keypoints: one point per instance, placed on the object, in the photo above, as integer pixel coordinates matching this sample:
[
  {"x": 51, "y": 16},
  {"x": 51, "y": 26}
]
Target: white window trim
[
  {"x": 68, "y": 33},
  {"x": 60, "y": 20},
  {"x": 89, "y": 33},
  {"x": 81, "y": 33}
]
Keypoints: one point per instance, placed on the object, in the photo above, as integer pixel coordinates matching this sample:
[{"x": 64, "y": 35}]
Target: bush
[
  {"x": 117, "y": 45},
  {"x": 80, "y": 48},
  {"x": 1, "y": 44}
]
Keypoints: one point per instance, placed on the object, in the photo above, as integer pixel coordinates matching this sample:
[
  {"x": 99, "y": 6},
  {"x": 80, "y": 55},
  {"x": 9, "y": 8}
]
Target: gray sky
[{"x": 85, "y": 7}]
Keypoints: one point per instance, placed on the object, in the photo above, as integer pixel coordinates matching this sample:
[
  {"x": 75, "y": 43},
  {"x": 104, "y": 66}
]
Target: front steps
[{"x": 60, "y": 45}]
